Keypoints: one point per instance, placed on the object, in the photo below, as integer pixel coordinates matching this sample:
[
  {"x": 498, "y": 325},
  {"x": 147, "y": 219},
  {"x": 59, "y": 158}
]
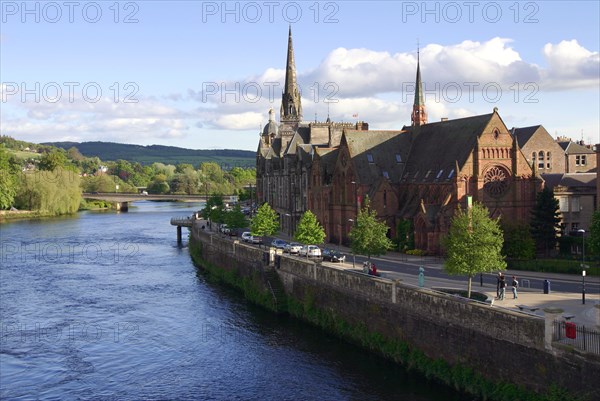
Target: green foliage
[
  {"x": 235, "y": 218},
  {"x": 368, "y": 235},
  {"x": 55, "y": 192},
  {"x": 562, "y": 266},
  {"x": 309, "y": 230},
  {"x": 105, "y": 183},
  {"x": 214, "y": 209},
  {"x": 518, "y": 242},
  {"x": 8, "y": 179},
  {"x": 545, "y": 220},
  {"x": 593, "y": 240},
  {"x": 416, "y": 252},
  {"x": 53, "y": 160},
  {"x": 265, "y": 222},
  {"x": 473, "y": 244},
  {"x": 405, "y": 235}
]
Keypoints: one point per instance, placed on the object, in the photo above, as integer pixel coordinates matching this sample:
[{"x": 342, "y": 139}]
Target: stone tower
[
  {"x": 419, "y": 115},
  {"x": 291, "y": 108}
]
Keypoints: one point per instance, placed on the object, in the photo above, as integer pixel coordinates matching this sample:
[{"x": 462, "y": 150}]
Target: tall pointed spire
[
  {"x": 291, "y": 108},
  {"x": 419, "y": 115}
]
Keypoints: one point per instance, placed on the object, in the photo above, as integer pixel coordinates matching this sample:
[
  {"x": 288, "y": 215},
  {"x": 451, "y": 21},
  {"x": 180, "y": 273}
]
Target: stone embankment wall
[{"x": 501, "y": 345}]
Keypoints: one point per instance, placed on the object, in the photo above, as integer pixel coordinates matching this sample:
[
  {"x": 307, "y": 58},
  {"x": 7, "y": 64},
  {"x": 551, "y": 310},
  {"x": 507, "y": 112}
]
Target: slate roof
[
  {"x": 374, "y": 152},
  {"x": 573, "y": 148},
  {"x": 570, "y": 180},
  {"x": 524, "y": 134},
  {"x": 449, "y": 141}
]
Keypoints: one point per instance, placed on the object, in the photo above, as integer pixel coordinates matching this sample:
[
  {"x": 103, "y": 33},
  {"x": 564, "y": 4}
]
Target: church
[{"x": 419, "y": 173}]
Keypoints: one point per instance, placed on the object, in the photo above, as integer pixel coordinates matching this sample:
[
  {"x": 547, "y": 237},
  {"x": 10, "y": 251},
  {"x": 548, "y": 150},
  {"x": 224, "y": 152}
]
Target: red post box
[{"x": 570, "y": 330}]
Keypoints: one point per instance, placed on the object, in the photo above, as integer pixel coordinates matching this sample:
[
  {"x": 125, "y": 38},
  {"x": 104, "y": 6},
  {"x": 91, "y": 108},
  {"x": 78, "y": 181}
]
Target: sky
[{"x": 203, "y": 74}]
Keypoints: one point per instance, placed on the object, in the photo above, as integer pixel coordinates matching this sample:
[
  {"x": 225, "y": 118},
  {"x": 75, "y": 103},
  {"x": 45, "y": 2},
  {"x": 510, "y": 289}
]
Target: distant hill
[{"x": 227, "y": 158}]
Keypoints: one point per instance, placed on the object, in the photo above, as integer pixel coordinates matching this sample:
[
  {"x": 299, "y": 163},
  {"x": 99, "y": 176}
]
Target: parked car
[
  {"x": 278, "y": 243},
  {"x": 255, "y": 239},
  {"x": 292, "y": 248},
  {"x": 333, "y": 256},
  {"x": 246, "y": 236},
  {"x": 311, "y": 250},
  {"x": 224, "y": 229}
]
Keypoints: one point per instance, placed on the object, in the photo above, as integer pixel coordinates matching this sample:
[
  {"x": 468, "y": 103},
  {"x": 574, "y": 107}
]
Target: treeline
[{"x": 51, "y": 180}]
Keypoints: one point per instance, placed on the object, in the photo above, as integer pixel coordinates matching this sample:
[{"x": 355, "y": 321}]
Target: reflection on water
[{"x": 105, "y": 305}]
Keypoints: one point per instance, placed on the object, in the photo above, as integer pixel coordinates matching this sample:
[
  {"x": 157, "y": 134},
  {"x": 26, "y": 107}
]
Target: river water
[{"x": 106, "y": 306}]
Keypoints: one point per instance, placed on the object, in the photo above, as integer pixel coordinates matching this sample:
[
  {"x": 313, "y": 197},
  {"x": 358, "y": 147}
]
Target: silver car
[{"x": 292, "y": 248}]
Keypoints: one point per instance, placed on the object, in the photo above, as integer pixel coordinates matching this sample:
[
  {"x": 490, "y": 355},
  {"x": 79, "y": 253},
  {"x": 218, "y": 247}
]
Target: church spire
[
  {"x": 419, "y": 115},
  {"x": 291, "y": 108}
]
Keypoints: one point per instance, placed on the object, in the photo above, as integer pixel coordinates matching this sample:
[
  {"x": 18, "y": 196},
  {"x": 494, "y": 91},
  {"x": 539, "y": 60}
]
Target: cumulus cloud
[{"x": 570, "y": 66}]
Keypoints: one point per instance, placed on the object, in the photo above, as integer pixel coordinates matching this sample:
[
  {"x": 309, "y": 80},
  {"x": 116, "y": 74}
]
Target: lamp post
[
  {"x": 583, "y": 266},
  {"x": 353, "y": 255}
]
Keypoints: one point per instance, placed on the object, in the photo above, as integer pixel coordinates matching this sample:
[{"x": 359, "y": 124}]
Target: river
[{"x": 106, "y": 306}]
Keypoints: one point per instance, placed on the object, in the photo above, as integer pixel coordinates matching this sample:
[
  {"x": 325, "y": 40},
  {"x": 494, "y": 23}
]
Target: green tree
[
  {"x": 56, "y": 192},
  {"x": 235, "y": 218},
  {"x": 545, "y": 220},
  {"x": 214, "y": 209},
  {"x": 52, "y": 160},
  {"x": 309, "y": 230},
  {"x": 182, "y": 167},
  {"x": 518, "y": 243},
  {"x": 265, "y": 222},
  {"x": 8, "y": 179},
  {"x": 473, "y": 244},
  {"x": 405, "y": 235},
  {"x": 594, "y": 239},
  {"x": 368, "y": 235}
]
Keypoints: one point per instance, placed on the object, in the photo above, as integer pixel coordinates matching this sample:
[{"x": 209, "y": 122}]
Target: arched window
[{"x": 541, "y": 159}]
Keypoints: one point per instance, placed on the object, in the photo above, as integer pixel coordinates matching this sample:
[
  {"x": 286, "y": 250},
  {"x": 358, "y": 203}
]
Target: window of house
[
  {"x": 398, "y": 158},
  {"x": 575, "y": 204},
  {"x": 580, "y": 160},
  {"x": 386, "y": 175},
  {"x": 370, "y": 158},
  {"x": 548, "y": 161},
  {"x": 574, "y": 226},
  {"x": 541, "y": 159},
  {"x": 563, "y": 204}
]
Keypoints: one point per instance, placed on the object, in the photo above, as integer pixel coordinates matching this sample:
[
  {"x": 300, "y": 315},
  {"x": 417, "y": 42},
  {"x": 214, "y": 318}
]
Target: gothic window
[
  {"x": 541, "y": 159},
  {"x": 496, "y": 181},
  {"x": 496, "y": 133}
]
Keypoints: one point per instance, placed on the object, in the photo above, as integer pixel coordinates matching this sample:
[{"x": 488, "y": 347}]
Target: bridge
[
  {"x": 184, "y": 221},
  {"x": 122, "y": 200}
]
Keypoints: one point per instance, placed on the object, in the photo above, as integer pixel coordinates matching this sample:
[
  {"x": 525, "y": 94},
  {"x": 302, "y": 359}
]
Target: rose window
[{"x": 495, "y": 181}]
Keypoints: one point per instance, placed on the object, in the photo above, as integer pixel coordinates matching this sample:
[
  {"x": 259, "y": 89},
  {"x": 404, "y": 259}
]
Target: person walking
[
  {"x": 514, "y": 284},
  {"x": 502, "y": 287},
  {"x": 498, "y": 279}
]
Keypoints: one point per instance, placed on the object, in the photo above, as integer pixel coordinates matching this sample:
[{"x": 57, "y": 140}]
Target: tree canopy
[
  {"x": 265, "y": 222},
  {"x": 473, "y": 244},
  {"x": 309, "y": 230},
  {"x": 545, "y": 220},
  {"x": 368, "y": 235},
  {"x": 594, "y": 238}
]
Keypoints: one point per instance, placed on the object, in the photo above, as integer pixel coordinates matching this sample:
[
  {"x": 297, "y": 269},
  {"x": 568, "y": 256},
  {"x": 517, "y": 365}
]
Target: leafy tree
[
  {"x": 235, "y": 218},
  {"x": 159, "y": 185},
  {"x": 8, "y": 179},
  {"x": 368, "y": 235},
  {"x": 214, "y": 209},
  {"x": 405, "y": 235},
  {"x": 74, "y": 154},
  {"x": 518, "y": 243},
  {"x": 309, "y": 230},
  {"x": 594, "y": 239},
  {"x": 55, "y": 192},
  {"x": 473, "y": 244},
  {"x": 265, "y": 222},
  {"x": 50, "y": 161},
  {"x": 182, "y": 167},
  {"x": 545, "y": 220}
]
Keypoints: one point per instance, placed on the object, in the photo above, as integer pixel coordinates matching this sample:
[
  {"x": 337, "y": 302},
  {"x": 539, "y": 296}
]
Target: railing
[{"x": 577, "y": 336}]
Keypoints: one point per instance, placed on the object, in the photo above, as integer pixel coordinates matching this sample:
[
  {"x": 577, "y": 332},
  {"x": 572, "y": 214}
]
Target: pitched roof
[
  {"x": 524, "y": 134},
  {"x": 573, "y": 148},
  {"x": 570, "y": 180},
  {"x": 376, "y": 154},
  {"x": 438, "y": 146}
]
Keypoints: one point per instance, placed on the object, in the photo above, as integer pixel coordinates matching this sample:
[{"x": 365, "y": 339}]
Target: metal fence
[{"x": 577, "y": 336}]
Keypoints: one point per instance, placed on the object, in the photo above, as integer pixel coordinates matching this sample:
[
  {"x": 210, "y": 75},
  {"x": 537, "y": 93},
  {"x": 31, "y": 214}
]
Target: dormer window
[
  {"x": 386, "y": 175},
  {"x": 370, "y": 158},
  {"x": 398, "y": 158}
]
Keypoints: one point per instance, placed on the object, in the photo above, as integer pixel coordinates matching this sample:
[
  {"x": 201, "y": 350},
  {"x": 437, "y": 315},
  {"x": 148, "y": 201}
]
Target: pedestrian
[
  {"x": 498, "y": 279},
  {"x": 502, "y": 287},
  {"x": 515, "y": 284}
]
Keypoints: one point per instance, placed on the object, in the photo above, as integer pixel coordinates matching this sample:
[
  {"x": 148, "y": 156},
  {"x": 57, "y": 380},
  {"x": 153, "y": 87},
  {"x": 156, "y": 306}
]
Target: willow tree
[
  {"x": 369, "y": 235},
  {"x": 474, "y": 244}
]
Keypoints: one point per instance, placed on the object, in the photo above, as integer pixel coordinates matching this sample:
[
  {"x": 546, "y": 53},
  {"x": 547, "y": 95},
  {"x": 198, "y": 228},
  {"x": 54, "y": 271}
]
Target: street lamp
[
  {"x": 353, "y": 255},
  {"x": 583, "y": 266}
]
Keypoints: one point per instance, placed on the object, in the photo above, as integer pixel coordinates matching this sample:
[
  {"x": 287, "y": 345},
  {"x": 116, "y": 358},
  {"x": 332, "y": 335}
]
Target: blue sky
[{"x": 204, "y": 74}]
